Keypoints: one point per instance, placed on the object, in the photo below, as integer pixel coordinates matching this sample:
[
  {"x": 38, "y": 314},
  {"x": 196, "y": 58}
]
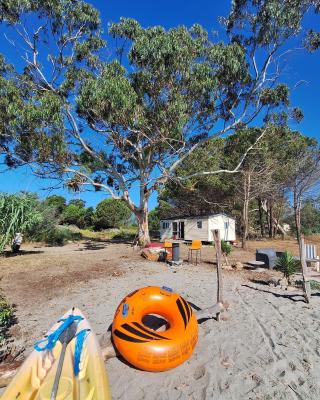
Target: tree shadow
[
  {"x": 116, "y": 240},
  {"x": 260, "y": 282},
  {"x": 291, "y": 297},
  {"x": 8, "y": 254},
  {"x": 92, "y": 245}
]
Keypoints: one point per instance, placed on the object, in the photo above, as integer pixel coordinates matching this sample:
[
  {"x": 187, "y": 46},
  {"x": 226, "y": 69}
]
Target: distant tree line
[
  {"x": 109, "y": 213},
  {"x": 47, "y": 220}
]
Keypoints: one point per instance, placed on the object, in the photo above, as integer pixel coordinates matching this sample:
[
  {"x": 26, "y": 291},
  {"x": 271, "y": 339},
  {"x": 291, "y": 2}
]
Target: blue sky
[{"x": 171, "y": 13}]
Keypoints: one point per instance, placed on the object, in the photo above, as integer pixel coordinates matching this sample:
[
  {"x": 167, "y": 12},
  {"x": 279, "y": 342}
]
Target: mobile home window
[{"x": 199, "y": 224}]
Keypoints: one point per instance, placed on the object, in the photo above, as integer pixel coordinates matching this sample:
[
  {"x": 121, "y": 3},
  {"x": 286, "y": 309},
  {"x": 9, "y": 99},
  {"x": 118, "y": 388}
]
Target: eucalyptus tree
[
  {"x": 128, "y": 123},
  {"x": 302, "y": 172}
]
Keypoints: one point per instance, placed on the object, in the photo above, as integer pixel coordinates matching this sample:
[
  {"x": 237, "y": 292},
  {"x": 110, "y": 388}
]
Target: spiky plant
[{"x": 287, "y": 264}]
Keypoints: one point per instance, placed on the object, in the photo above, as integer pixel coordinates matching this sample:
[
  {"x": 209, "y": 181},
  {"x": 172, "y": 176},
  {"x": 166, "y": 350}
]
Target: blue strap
[
  {"x": 52, "y": 339},
  {"x": 81, "y": 337}
]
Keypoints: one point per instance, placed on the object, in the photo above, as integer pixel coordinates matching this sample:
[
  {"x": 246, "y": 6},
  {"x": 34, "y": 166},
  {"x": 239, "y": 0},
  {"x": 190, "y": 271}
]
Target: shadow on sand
[
  {"x": 296, "y": 297},
  {"x": 99, "y": 244},
  {"x": 21, "y": 253},
  {"x": 93, "y": 245}
]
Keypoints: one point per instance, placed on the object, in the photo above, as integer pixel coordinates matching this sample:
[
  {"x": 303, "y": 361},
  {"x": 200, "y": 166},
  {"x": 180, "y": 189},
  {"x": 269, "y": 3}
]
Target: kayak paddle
[{"x": 65, "y": 338}]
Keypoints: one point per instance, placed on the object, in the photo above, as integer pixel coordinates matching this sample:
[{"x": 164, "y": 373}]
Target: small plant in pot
[{"x": 288, "y": 265}]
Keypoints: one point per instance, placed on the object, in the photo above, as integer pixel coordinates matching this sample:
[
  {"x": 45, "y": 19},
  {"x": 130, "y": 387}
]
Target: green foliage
[
  {"x": 57, "y": 202},
  {"x": 58, "y": 236},
  {"x": 33, "y": 111},
  {"x": 314, "y": 285},
  {"x": 154, "y": 220},
  {"x": 201, "y": 194},
  {"x": 18, "y": 213},
  {"x": 6, "y": 317},
  {"x": 50, "y": 217},
  {"x": 310, "y": 217},
  {"x": 287, "y": 264},
  {"x": 111, "y": 213},
  {"x": 75, "y": 214},
  {"x": 125, "y": 235},
  {"x": 78, "y": 202},
  {"x": 6, "y": 313},
  {"x": 267, "y": 21},
  {"x": 226, "y": 248}
]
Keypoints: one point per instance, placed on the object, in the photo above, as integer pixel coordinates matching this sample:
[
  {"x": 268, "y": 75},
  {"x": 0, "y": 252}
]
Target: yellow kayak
[{"x": 83, "y": 374}]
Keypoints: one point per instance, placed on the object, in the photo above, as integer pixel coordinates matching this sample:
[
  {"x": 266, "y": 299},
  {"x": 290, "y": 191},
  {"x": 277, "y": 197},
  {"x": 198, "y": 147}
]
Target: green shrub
[
  {"x": 226, "y": 248},
  {"x": 59, "y": 236},
  {"x": 111, "y": 213},
  {"x": 315, "y": 285},
  {"x": 56, "y": 202},
  {"x": 287, "y": 264},
  {"x": 6, "y": 317},
  {"x": 73, "y": 214},
  {"x": 124, "y": 234}
]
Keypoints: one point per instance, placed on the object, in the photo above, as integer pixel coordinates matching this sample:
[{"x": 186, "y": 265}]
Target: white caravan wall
[
  {"x": 221, "y": 222},
  {"x": 165, "y": 233},
  {"x": 192, "y": 232}
]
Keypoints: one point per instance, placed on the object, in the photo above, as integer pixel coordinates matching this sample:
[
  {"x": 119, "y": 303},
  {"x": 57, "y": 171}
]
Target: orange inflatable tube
[{"x": 146, "y": 348}]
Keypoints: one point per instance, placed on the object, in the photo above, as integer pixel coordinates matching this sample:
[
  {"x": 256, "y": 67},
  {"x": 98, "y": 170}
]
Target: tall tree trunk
[
  {"x": 265, "y": 207},
  {"x": 143, "y": 226},
  {"x": 245, "y": 209},
  {"x": 142, "y": 217},
  {"x": 261, "y": 219},
  {"x": 297, "y": 215},
  {"x": 271, "y": 218}
]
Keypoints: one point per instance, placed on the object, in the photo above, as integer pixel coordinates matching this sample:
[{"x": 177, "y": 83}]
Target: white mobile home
[{"x": 193, "y": 228}]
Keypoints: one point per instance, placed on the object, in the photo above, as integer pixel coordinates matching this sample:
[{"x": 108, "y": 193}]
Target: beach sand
[{"x": 269, "y": 348}]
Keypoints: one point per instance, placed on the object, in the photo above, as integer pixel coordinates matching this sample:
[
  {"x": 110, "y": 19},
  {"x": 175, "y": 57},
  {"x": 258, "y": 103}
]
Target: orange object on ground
[
  {"x": 142, "y": 346},
  {"x": 195, "y": 247}
]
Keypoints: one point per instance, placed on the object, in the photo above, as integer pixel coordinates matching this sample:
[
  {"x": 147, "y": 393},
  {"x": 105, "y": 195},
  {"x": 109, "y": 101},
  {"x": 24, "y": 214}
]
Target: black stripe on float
[
  {"x": 132, "y": 293},
  {"x": 147, "y": 331},
  {"x": 182, "y": 312},
  {"x": 186, "y": 306},
  {"x": 123, "y": 336},
  {"x": 136, "y": 332}
]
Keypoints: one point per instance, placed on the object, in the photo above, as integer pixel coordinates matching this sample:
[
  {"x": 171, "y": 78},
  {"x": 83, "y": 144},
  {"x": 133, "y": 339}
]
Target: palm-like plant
[{"x": 287, "y": 264}]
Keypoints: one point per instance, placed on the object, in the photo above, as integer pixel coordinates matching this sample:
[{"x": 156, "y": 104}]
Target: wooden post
[
  {"x": 217, "y": 241},
  {"x": 306, "y": 283}
]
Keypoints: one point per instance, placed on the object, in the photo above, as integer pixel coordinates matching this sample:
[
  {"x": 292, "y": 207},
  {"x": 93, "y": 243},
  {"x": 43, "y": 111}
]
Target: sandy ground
[{"x": 269, "y": 348}]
